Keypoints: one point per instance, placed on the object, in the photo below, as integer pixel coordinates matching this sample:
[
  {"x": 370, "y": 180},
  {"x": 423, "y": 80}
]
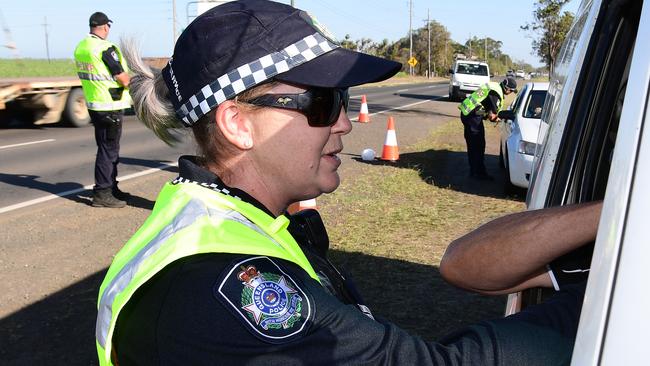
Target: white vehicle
[
  {"x": 466, "y": 76},
  {"x": 519, "y": 130},
  {"x": 520, "y": 74},
  {"x": 596, "y": 131}
]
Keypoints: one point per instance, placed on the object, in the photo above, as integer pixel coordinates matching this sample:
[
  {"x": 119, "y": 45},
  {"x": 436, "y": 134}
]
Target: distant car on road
[
  {"x": 519, "y": 131},
  {"x": 466, "y": 76},
  {"x": 510, "y": 73},
  {"x": 520, "y": 74}
]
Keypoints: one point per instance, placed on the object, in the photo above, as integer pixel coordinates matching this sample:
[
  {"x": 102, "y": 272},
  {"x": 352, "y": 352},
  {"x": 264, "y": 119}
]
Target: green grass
[
  {"x": 13, "y": 68},
  {"x": 390, "y": 225}
]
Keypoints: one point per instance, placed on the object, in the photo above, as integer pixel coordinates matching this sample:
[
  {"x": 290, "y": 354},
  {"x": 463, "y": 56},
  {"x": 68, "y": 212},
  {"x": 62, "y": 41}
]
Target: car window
[
  {"x": 582, "y": 165},
  {"x": 596, "y": 112},
  {"x": 520, "y": 96},
  {"x": 534, "y": 104},
  {"x": 472, "y": 69},
  {"x": 561, "y": 87}
]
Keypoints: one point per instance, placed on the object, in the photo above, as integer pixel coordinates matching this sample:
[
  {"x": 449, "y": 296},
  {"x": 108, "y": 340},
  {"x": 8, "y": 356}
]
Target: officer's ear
[{"x": 234, "y": 124}]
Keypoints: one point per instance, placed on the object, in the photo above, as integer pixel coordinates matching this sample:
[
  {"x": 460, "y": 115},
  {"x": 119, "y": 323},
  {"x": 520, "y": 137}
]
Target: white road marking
[
  {"x": 85, "y": 188},
  {"x": 148, "y": 171},
  {"x": 26, "y": 143},
  {"x": 400, "y": 91},
  {"x": 404, "y": 106}
]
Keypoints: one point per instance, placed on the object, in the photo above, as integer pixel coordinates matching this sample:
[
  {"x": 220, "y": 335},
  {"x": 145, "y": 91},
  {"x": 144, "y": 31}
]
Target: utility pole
[
  {"x": 470, "y": 46},
  {"x": 47, "y": 43},
  {"x": 173, "y": 23},
  {"x": 446, "y": 57},
  {"x": 410, "y": 35},
  {"x": 292, "y": 4},
  {"x": 429, "y": 44},
  {"x": 486, "y": 56}
]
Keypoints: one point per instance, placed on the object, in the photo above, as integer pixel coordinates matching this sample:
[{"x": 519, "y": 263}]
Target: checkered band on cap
[{"x": 246, "y": 76}]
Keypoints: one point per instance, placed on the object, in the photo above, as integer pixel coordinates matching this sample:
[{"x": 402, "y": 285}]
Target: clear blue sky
[{"x": 150, "y": 21}]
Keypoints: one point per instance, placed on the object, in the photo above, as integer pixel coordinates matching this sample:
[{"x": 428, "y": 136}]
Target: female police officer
[{"x": 216, "y": 274}]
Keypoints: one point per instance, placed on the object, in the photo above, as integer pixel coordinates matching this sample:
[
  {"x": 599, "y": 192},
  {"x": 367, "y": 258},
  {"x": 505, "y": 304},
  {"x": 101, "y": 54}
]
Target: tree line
[{"x": 547, "y": 30}]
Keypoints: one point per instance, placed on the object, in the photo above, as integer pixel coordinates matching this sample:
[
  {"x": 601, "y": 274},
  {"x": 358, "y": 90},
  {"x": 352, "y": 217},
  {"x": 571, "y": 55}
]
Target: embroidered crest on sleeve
[{"x": 265, "y": 299}]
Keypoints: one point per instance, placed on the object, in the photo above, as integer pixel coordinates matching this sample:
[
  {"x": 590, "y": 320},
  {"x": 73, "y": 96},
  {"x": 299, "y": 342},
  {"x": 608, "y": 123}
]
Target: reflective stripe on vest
[
  {"x": 96, "y": 78},
  {"x": 188, "y": 219},
  {"x": 474, "y": 100},
  {"x": 89, "y": 76},
  {"x": 110, "y": 106}
]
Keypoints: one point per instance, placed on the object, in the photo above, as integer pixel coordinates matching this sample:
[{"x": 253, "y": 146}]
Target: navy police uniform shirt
[
  {"x": 492, "y": 103},
  {"x": 231, "y": 309},
  {"x": 111, "y": 59}
]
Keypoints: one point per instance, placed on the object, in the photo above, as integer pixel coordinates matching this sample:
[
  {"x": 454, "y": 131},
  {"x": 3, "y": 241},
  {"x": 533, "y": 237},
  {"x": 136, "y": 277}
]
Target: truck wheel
[{"x": 75, "y": 112}]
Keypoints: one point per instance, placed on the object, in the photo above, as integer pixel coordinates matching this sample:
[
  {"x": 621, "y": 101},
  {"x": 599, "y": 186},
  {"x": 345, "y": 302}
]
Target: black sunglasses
[{"x": 321, "y": 106}]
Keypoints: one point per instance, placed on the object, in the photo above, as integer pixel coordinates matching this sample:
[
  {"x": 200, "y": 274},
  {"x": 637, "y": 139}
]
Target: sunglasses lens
[
  {"x": 326, "y": 106},
  {"x": 321, "y": 106},
  {"x": 319, "y": 111}
]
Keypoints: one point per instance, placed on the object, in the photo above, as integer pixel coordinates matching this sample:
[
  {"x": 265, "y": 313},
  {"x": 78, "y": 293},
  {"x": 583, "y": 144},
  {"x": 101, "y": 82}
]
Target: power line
[{"x": 359, "y": 21}]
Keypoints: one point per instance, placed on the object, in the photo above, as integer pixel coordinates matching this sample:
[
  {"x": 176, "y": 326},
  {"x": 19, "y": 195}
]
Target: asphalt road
[
  {"x": 55, "y": 247},
  {"x": 41, "y": 162}
]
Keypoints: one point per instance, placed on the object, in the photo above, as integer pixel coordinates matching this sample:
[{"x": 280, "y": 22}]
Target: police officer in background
[
  {"x": 104, "y": 79},
  {"x": 484, "y": 103}
]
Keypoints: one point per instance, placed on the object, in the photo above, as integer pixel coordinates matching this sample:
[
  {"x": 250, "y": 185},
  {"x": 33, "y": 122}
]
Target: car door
[
  {"x": 505, "y": 127},
  {"x": 595, "y": 113},
  {"x": 614, "y": 321}
]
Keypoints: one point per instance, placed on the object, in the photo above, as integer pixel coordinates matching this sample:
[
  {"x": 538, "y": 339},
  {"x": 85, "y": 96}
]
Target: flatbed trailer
[{"x": 47, "y": 99}]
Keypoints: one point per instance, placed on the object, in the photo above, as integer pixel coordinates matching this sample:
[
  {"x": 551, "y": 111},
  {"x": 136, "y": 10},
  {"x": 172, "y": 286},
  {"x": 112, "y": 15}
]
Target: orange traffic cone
[
  {"x": 390, "y": 151},
  {"x": 363, "y": 113},
  {"x": 302, "y": 205}
]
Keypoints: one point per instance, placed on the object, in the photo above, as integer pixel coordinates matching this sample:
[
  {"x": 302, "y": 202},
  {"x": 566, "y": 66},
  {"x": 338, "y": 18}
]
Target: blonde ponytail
[{"x": 150, "y": 96}]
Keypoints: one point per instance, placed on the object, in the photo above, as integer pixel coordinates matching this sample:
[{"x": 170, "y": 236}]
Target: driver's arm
[{"x": 510, "y": 253}]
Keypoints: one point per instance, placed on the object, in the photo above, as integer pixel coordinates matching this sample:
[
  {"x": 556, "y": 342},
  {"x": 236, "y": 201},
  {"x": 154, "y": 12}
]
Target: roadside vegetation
[
  {"x": 17, "y": 68},
  {"x": 390, "y": 225}
]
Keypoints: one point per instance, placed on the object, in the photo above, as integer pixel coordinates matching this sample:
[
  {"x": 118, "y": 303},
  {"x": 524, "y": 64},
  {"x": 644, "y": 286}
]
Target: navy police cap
[{"x": 240, "y": 44}]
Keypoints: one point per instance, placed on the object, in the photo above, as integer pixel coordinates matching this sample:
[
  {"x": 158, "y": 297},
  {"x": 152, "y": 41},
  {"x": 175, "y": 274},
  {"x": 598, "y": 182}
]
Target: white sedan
[{"x": 519, "y": 130}]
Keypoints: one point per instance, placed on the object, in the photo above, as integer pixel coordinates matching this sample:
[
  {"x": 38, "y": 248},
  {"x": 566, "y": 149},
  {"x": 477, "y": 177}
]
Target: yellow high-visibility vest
[
  {"x": 96, "y": 78},
  {"x": 188, "y": 219},
  {"x": 474, "y": 100}
]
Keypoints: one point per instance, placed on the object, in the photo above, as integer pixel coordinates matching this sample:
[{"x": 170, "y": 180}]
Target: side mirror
[
  {"x": 506, "y": 115},
  {"x": 451, "y": 71}
]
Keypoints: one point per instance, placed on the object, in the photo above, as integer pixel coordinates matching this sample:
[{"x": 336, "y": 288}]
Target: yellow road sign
[{"x": 412, "y": 61}]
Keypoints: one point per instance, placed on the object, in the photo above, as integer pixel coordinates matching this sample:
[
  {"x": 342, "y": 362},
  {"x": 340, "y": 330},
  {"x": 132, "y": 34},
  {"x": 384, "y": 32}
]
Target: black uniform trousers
[
  {"x": 475, "y": 140},
  {"x": 108, "y": 131}
]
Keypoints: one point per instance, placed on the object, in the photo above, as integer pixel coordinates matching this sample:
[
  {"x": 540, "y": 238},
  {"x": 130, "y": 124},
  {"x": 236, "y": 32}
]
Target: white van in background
[{"x": 466, "y": 76}]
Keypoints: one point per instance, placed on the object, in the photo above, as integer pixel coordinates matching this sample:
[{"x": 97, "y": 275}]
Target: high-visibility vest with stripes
[
  {"x": 96, "y": 78},
  {"x": 188, "y": 219},
  {"x": 474, "y": 100}
]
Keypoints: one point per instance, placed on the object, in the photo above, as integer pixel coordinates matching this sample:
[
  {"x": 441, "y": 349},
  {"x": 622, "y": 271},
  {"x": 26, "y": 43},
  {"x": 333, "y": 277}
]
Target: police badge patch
[{"x": 266, "y": 299}]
